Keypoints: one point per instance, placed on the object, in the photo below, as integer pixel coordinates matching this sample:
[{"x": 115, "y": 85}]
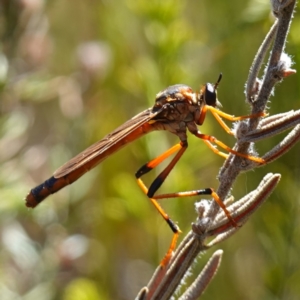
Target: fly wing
[{"x": 100, "y": 150}]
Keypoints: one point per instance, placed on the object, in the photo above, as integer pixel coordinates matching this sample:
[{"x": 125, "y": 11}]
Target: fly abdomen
[{"x": 42, "y": 191}]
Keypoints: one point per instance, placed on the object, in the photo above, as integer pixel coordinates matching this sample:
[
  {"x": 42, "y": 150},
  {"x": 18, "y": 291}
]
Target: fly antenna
[{"x": 218, "y": 81}]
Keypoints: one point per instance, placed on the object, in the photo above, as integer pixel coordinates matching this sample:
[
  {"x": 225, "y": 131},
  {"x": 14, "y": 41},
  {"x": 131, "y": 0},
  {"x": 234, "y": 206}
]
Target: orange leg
[
  {"x": 208, "y": 139},
  {"x": 159, "y": 180},
  {"x": 171, "y": 249},
  {"x": 207, "y": 191},
  {"x": 218, "y": 113},
  {"x": 174, "y": 227},
  {"x": 180, "y": 148}
]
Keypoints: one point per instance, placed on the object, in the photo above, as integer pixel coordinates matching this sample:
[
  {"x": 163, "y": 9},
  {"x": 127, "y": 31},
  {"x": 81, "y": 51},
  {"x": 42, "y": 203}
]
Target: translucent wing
[{"x": 93, "y": 155}]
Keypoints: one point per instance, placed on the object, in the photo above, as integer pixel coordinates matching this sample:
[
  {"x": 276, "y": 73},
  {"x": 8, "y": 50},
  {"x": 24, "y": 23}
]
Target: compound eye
[{"x": 210, "y": 95}]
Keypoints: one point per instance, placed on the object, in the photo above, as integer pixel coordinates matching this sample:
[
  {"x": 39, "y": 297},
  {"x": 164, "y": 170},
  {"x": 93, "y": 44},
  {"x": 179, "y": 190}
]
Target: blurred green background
[{"x": 72, "y": 71}]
